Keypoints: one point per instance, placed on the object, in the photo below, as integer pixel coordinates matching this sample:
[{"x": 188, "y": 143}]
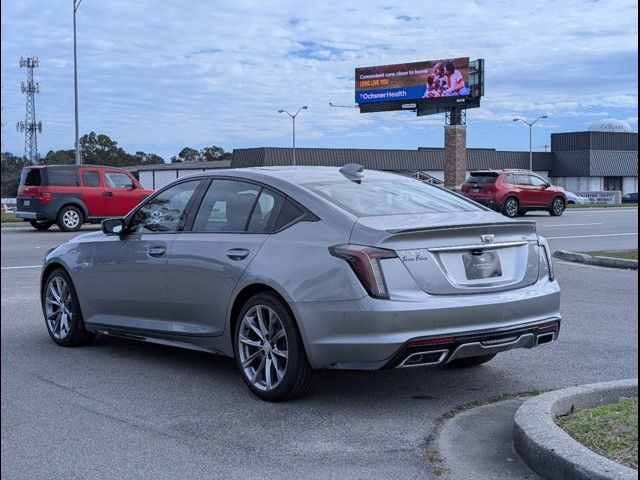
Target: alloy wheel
[
  {"x": 558, "y": 206},
  {"x": 59, "y": 307},
  {"x": 263, "y": 347},
  {"x": 71, "y": 218},
  {"x": 511, "y": 207}
]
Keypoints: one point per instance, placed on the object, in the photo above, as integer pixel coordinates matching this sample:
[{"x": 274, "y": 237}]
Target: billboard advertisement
[{"x": 406, "y": 82}]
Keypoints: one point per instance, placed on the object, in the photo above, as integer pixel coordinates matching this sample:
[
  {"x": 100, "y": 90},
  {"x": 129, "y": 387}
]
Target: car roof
[{"x": 74, "y": 166}]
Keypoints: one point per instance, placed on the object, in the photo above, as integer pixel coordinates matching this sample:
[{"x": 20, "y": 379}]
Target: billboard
[{"x": 435, "y": 80}]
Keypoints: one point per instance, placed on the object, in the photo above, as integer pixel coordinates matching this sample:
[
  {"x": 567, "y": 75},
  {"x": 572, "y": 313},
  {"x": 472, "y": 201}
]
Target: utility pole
[
  {"x": 293, "y": 118},
  {"x": 530, "y": 124},
  {"x": 30, "y": 127},
  {"x": 76, "y": 4}
]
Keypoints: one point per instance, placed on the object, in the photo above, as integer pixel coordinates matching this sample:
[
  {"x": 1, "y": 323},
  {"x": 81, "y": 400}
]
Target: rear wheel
[
  {"x": 510, "y": 207},
  {"x": 269, "y": 351},
  {"x": 557, "y": 207},
  {"x": 471, "y": 361},
  {"x": 62, "y": 311},
  {"x": 70, "y": 219},
  {"x": 45, "y": 225}
]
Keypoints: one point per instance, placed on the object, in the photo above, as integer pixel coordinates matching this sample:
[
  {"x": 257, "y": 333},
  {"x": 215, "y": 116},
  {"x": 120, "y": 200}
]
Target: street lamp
[
  {"x": 530, "y": 127},
  {"x": 76, "y": 5},
  {"x": 293, "y": 118}
]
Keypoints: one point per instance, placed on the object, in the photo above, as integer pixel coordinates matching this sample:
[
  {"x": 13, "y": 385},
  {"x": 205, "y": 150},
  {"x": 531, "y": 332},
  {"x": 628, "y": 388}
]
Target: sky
[{"x": 160, "y": 75}]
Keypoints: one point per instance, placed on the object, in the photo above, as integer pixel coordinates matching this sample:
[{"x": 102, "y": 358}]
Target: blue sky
[{"x": 158, "y": 75}]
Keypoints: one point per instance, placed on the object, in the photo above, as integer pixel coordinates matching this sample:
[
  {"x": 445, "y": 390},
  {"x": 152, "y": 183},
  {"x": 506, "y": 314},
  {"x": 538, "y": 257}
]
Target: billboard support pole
[{"x": 455, "y": 148}]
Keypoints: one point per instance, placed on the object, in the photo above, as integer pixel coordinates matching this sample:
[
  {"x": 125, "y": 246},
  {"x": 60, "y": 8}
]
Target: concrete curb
[
  {"x": 14, "y": 224},
  {"x": 550, "y": 451},
  {"x": 598, "y": 261}
]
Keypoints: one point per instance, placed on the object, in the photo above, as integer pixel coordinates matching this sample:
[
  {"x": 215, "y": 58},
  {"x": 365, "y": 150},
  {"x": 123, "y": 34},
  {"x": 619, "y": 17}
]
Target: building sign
[
  {"x": 406, "y": 82},
  {"x": 604, "y": 197}
]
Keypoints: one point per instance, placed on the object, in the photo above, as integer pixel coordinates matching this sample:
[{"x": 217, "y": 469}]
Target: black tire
[
  {"x": 557, "y": 207},
  {"x": 521, "y": 212},
  {"x": 42, "y": 226},
  {"x": 70, "y": 219},
  {"x": 471, "y": 361},
  {"x": 510, "y": 207},
  {"x": 75, "y": 334},
  {"x": 297, "y": 376}
]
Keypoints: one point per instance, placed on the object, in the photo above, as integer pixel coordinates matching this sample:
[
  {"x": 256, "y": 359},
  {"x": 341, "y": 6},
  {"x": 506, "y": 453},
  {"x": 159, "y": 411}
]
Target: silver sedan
[{"x": 291, "y": 269}]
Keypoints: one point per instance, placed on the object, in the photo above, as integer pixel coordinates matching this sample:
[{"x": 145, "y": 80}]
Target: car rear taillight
[
  {"x": 45, "y": 197},
  {"x": 365, "y": 263},
  {"x": 542, "y": 243}
]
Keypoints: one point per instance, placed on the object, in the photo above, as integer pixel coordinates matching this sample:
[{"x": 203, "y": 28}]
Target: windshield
[{"x": 390, "y": 197}]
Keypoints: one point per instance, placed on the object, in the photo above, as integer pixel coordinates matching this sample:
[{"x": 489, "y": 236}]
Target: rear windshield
[
  {"x": 30, "y": 177},
  {"x": 482, "y": 178},
  {"x": 389, "y": 197}
]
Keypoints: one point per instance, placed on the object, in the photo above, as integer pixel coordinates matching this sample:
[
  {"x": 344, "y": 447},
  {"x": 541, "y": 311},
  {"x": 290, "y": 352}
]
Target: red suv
[
  {"x": 70, "y": 195},
  {"x": 514, "y": 192}
]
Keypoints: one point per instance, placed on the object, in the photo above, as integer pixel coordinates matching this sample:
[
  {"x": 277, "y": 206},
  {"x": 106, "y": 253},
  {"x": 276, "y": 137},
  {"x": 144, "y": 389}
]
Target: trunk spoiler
[{"x": 463, "y": 226}]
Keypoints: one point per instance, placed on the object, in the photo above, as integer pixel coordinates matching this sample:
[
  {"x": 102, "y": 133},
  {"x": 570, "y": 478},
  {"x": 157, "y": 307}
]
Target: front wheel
[
  {"x": 557, "y": 207},
  {"x": 471, "y": 361},
  {"x": 70, "y": 219},
  {"x": 510, "y": 207},
  {"x": 42, "y": 226},
  {"x": 269, "y": 351},
  {"x": 62, "y": 311}
]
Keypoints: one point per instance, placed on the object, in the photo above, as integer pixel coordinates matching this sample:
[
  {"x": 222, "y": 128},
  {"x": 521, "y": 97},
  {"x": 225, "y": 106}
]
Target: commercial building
[{"x": 603, "y": 158}]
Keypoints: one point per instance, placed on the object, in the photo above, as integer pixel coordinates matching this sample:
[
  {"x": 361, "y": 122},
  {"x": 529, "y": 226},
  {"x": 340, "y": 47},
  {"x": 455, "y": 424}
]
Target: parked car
[
  {"x": 71, "y": 195},
  {"x": 291, "y": 269},
  {"x": 630, "y": 198},
  {"x": 573, "y": 199},
  {"x": 514, "y": 192}
]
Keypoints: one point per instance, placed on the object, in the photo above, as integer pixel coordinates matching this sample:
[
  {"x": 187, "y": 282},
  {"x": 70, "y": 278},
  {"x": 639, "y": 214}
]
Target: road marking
[
  {"x": 569, "y": 224},
  {"x": 590, "y": 236},
  {"x": 22, "y": 266}
]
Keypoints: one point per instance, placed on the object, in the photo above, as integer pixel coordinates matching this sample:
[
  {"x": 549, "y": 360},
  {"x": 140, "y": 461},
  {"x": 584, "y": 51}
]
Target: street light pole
[
  {"x": 530, "y": 125},
  {"x": 293, "y": 119},
  {"x": 76, "y": 4}
]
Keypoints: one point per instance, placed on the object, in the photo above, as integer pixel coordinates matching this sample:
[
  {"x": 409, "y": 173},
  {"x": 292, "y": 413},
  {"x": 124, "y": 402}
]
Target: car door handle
[
  {"x": 238, "y": 253},
  {"x": 157, "y": 251},
  {"x": 107, "y": 194}
]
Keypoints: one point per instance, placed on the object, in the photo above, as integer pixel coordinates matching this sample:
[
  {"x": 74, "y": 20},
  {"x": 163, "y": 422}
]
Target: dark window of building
[{"x": 613, "y": 183}]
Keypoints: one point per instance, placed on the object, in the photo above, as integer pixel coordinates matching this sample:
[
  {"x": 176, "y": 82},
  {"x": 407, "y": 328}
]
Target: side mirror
[
  {"x": 131, "y": 187},
  {"x": 113, "y": 226},
  {"x": 546, "y": 185}
]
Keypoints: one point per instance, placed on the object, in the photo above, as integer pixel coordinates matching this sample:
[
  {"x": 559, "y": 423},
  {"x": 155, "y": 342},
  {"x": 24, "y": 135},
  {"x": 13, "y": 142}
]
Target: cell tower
[{"x": 30, "y": 127}]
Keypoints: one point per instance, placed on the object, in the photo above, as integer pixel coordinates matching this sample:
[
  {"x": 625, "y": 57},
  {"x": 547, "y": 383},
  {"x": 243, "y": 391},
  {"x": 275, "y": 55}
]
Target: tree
[
  {"x": 142, "y": 158},
  {"x": 59, "y": 157},
  {"x": 187, "y": 155},
  {"x": 11, "y": 165},
  {"x": 212, "y": 154}
]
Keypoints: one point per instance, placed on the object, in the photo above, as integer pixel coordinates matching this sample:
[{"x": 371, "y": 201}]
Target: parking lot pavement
[
  {"x": 586, "y": 230},
  {"x": 120, "y": 409}
]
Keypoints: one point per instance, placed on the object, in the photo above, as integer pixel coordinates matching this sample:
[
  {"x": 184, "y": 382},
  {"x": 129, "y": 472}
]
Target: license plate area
[
  {"x": 475, "y": 190},
  {"x": 482, "y": 264},
  {"x": 26, "y": 203}
]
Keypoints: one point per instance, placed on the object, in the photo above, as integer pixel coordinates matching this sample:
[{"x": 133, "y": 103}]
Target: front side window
[
  {"x": 389, "y": 197},
  {"x": 537, "y": 181},
  {"x": 91, "y": 178},
  {"x": 164, "y": 212},
  {"x": 226, "y": 206},
  {"x": 118, "y": 180}
]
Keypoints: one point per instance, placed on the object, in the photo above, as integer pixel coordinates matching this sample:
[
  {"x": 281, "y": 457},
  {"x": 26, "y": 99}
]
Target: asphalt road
[{"x": 121, "y": 409}]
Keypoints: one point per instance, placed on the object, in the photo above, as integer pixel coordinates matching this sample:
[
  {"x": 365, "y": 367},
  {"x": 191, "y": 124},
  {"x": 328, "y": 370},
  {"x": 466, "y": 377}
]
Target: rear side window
[
  {"x": 510, "y": 179},
  {"x": 523, "y": 180},
  {"x": 62, "y": 177},
  {"x": 290, "y": 213},
  {"x": 30, "y": 177},
  {"x": 91, "y": 178},
  {"x": 482, "y": 178},
  {"x": 265, "y": 212},
  {"x": 226, "y": 206}
]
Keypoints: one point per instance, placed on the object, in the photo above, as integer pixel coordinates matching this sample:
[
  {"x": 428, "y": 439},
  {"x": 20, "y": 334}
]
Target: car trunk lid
[{"x": 457, "y": 253}]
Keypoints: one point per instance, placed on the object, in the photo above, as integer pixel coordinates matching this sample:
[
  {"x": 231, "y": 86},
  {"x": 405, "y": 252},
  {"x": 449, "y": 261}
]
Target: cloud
[{"x": 158, "y": 76}]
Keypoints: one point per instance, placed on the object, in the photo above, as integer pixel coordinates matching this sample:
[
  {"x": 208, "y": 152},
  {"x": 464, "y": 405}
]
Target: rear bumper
[
  {"x": 370, "y": 334},
  {"x": 492, "y": 204},
  {"x": 40, "y": 216}
]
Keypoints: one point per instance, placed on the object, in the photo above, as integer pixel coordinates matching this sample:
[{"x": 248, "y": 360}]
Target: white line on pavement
[
  {"x": 22, "y": 266},
  {"x": 589, "y": 236},
  {"x": 569, "y": 224}
]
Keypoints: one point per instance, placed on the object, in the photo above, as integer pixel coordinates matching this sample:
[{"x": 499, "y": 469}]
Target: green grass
[
  {"x": 626, "y": 254},
  {"x": 9, "y": 217},
  {"x": 609, "y": 430},
  {"x": 604, "y": 205}
]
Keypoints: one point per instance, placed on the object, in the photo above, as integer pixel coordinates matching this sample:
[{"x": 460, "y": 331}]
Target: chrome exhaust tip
[{"x": 423, "y": 359}]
